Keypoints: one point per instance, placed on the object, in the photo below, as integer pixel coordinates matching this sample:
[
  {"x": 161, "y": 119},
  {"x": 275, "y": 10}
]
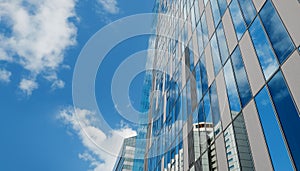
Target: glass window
[
  {"x": 198, "y": 82},
  {"x": 193, "y": 19},
  {"x": 197, "y": 11},
  {"x": 203, "y": 74},
  {"x": 263, "y": 49},
  {"x": 273, "y": 136},
  {"x": 191, "y": 55},
  {"x": 276, "y": 31},
  {"x": 199, "y": 38},
  {"x": 287, "y": 114},
  {"x": 237, "y": 19},
  {"x": 215, "y": 109},
  {"x": 222, "y": 43},
  {"x": 215, "y": 11},
  {"x": 233, "y": 97},
  {"x": 215, "y": 54},
  {"x": 204, "y": 30},
  {"x": 241, "y": 77},
  {"x": 248, "y": 10},
  {"x": 223, "y": 6}
]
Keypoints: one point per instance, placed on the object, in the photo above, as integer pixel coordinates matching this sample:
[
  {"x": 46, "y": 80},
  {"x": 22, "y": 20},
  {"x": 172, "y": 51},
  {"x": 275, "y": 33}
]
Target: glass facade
[{"x": 203, "y": 85}]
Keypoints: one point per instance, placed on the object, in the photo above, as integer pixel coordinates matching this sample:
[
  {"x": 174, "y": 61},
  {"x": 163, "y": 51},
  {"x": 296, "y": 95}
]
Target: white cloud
[
  {"x": 27, "y": 86},
  {"x": 5, "y": 75},
  {"x": 40, "y": 32},
  {"x": 85, "y": 124},
  {"x": 110, "y": 6}
]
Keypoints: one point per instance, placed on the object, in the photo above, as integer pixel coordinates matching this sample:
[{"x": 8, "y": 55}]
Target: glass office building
[
  {"x": 125, "y": 161},
  {"x": 226, "y": 86}
]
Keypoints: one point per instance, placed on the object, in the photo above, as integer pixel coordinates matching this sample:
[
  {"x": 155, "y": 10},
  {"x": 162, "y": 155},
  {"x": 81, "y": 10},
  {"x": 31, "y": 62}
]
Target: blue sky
[{"x": 39, "y": 45}]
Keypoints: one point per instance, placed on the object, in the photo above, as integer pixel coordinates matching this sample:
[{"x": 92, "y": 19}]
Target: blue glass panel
[
  {"x": 234, "y": 103},
  {"x": 197, "y": 11},
  {"x": 287, "y": 113},
  {"x": 215, "y": 11},
  {"x": 198, "y": 82},
  {"x": 241, "y": 77},
  {"x": 201, "y": 116},
  {"x": 263, "y": 49},
  {"x": 204, "y": 29},
  {"x": 199, "y": 39},
  {"x": 215, "y": 108},
  {"x": 207, "y": 109},
  {"x": 274, "y": 139},
  {"x": 193, "y": 20},
  {"x": 191, "y": 55},
  {"x": 223, "y": 6},
  {"x": 277, "y": 33},
  {"x": 222, "y": 43},
  {"x": 248, "y": 10},
  {"x": 237, "y": 19},
  {"x": 203, "y": 74},
  {"x": 215, "y": 54}
]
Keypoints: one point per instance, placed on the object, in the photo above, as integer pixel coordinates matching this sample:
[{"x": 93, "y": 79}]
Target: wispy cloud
[
  {"x": 36, "y": 35},
  {"x": 28, "y": 85},
  {"x": 86, "y": 125},
  {"x": 5, "y": 75},
  {"x": 110, "y": 6}
]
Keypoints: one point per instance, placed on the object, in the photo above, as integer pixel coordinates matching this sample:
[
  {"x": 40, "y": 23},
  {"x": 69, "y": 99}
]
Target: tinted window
[
  {"x": 273, "y": 136},
  {"x": 237, "y": 19},
  {"x": 215, "y": 109},
  {"x": 287, "y": 113},
  {"x": 215, "y": 54},
  {"x": 199, "y": 38},
  {"x": 241, "y": 77},
  {"x": 248, "y": 10},
  {"x": 204, "y": 29},
  {"x": 263, "y": 49},
  {"x": 198, "y": 82},
  {"x": 233, "y": 97},
  {"x": 277, "y": 33},
  {"x": 203, "y": 74},
  {"x": 222, "y": 43},
  {"x": 223, "y": 6},
  {"x": 215, "y": 12}
]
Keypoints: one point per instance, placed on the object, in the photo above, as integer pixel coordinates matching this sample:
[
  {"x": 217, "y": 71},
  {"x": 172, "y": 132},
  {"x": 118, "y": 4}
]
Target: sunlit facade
[{"x": 226, "y": 86}]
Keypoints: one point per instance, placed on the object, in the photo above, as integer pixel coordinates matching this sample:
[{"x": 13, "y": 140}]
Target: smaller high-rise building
[{"x": 125, "y": 160}]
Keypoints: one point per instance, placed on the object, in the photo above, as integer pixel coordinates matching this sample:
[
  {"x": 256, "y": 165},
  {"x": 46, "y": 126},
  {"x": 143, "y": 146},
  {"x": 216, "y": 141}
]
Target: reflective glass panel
[
  {"x": 241, "y": 77},
  {"x": 203, "y": 74},
  {"x": 223, "y": 6},
  {"x": 204, "y": 29},
  {"x": 215, "y": 109},
  {"x": 276, "y": 31},
  {"x": 233, "y": 96},
  {"x": 199, "y": 38},
  {"x": 215, "y": 54},
  {"x": 273, "y": 136},
  {"x": 237, "y": 19},
  {"x": 287, "y": 113},
  {"x": 263, "y": 49},
  {"x": 222, "y": 43},
  {"x": 215, "y": 11},
  {"x": 197, "y": 11},
  {"x": 198, "y": 82},
  {"x": 248, "y": 10}
]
